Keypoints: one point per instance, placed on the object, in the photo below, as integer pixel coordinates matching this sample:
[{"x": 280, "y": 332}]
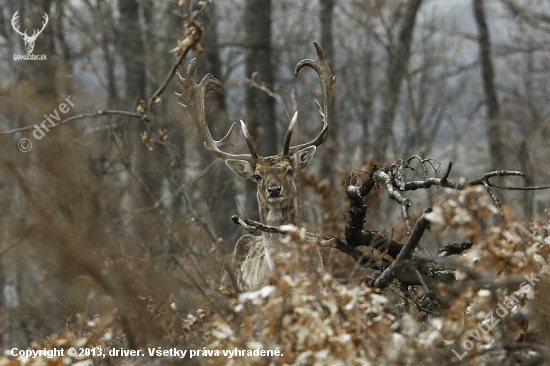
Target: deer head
[
  {"x": 275, "y": 174},
  {"x": 29, "y": 40}
]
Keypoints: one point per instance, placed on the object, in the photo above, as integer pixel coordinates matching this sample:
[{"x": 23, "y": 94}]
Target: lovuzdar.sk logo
[{"x": 29, "y": 40}]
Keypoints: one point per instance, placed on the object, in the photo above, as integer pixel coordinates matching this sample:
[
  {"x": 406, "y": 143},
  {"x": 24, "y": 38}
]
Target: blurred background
[{"x": 108, "y": 209}]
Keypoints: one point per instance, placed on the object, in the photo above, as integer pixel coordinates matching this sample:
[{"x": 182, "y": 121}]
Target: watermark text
[
  {"x": 490, "y": 321},
  {"x": 50, "y": 121}
]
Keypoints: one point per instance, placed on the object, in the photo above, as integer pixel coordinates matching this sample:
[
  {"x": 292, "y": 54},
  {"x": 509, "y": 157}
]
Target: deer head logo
[{"x": 29, "y": 40}]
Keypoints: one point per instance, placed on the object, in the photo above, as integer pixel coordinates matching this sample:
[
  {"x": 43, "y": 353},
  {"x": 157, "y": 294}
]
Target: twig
[
  {"x": 239, "y": 221},
  {"x": 513, "y": 188},
  {"x": 252, "y": 81},
  {"x": 169, "y": 230},
  {"x": 497, "y": 173},
  {"x": 192, "y": 36},
  {"x": 410, "y": 300},
  {"x": 406, "y": 216},
  {"x": 454, "y": 248},
  {"x": 251, "y": 226},
  {"x": 9, "y": 316},
  {"x": 98, "y": 113},
  {"x": 370, "y": 257},
  {"x": 445, "y": 183},
  {"x": 386, "y": 180},
  {"x": 397, "y": 181},
  {"x": 447, "y": 172},
  {"x": 491, "y": 192},
  {"x": 419, "y": 276}
]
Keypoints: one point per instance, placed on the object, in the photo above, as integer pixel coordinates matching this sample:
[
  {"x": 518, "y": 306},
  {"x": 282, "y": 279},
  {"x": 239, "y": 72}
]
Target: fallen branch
[{"x": 406, "y": 253}]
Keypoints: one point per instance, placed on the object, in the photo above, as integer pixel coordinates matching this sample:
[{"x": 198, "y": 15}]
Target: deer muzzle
[{"x": 274, "y": 192}]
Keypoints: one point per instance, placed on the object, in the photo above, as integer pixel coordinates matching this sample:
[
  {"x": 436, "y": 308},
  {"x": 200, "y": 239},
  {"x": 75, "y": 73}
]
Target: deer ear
[
  {"x": 242, "y": 168},
  {"x": 304, "y": 157}
]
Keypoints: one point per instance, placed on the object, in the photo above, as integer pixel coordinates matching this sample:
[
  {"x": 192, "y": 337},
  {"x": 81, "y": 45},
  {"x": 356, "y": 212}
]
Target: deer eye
[
  {"x": 290, "y": 172},
  {"x": 257, "y": 177}
]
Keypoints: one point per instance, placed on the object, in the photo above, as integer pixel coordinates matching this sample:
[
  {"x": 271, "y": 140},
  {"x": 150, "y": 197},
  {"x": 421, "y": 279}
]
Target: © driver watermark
[
  {"x": 40, "y": 130},
  {"x": 29, "y": 40}
]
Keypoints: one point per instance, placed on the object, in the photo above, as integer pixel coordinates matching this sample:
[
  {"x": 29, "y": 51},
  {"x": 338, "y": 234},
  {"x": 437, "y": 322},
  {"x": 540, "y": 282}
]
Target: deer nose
[{"x": 274, "y": 191}]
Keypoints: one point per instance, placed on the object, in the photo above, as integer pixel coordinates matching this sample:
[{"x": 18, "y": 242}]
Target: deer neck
[{"x": 277, "y": 214}]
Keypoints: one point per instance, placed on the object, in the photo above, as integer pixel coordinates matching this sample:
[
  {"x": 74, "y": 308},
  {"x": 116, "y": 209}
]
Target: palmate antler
[
  {"x": 193, "y": 97},
  {"x": 327, "y": 81}
]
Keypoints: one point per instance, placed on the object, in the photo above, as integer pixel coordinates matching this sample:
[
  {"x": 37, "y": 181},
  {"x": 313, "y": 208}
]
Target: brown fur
[{"x": 276, "y": 171}]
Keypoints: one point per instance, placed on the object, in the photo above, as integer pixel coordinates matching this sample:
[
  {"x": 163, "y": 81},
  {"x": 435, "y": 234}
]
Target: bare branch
[
  {"x": 445, "y": 183},
  {"x": 98, "y": 113},
  {"x": 386, "y": 181},
  {"x": 396, "y": 180},
  {"x": 193, "y": 36},
  {"x": 253, "y": 82},
  {"x": 491, "y": 192},
  {"x": 513, "y": 188},
  {"x": 251, "y": 226}
]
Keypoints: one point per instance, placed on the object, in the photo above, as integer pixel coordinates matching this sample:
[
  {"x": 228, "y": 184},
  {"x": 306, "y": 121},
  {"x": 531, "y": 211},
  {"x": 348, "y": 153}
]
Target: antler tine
[
  {"x": 35, "y": 32},
  {"x": 286, "y": 146},
  {"x": 249, "y": 141},
  {"x": 327, "y": 81},
  {"x": 44, "y": 23},
  {"x": 193, "y": 96},
  {"x": 13, "y": 24}
]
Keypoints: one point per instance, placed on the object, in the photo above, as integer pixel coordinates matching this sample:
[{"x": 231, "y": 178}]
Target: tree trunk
[
  {"x": 218, "y": 187},
  {"x": 131, "y": 50},
  {"x": 330, "y": 147},
  {"x": 44, "y": 72},
  {"x": 397, "y": 67},
  {"x": 144, "y": 162},
  {"x": 260, "y": 107},
  {"x": 494, "y": 128}
]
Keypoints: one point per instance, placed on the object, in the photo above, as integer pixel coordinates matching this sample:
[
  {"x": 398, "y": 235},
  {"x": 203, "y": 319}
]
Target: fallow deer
[{"x": 274, "y": 175}]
